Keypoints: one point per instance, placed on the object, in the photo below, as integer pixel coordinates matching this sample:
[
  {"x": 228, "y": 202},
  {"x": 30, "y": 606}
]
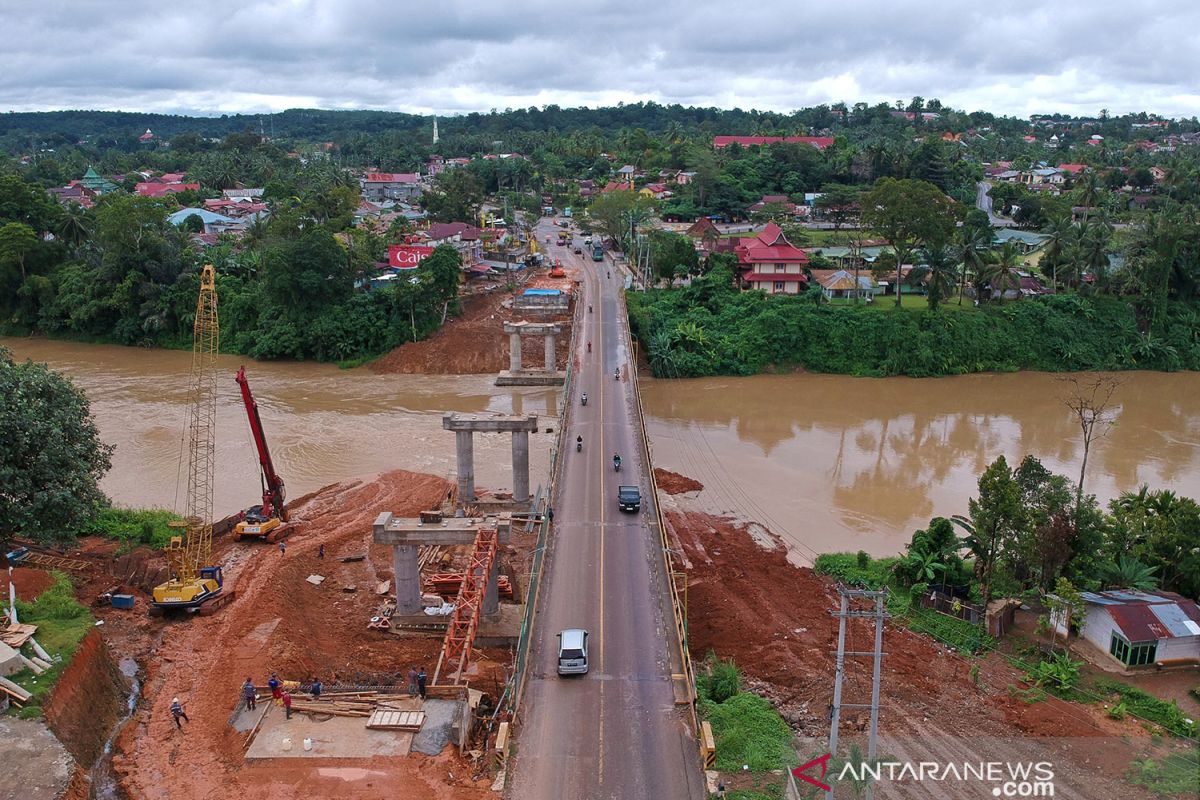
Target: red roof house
[
  {"x": 147, "y": 189},
  {"x": 768, "y": 261}
]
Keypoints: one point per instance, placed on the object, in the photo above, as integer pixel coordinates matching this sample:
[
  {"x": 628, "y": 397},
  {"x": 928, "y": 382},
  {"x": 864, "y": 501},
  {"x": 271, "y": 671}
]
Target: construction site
[{"x": 343, "y": 596}]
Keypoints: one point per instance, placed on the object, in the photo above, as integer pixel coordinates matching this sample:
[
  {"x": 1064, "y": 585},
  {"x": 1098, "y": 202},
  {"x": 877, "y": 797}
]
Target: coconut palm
[
  {"x": 1062, "y": 237},
  {"x": 974, "y": 247},
  {"x": 939, "y": 273},
  {"x": 1000, "y": 275},
  {"x": 1129, "y": 573}
]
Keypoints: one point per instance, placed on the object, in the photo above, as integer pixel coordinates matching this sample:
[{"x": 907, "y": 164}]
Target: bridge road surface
[{"x": 615, "y": 732}]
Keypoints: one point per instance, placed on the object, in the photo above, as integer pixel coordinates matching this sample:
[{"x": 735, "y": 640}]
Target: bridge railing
[
  {"x": 678, "y": 595},
  {"x": 516, "y": 688}
]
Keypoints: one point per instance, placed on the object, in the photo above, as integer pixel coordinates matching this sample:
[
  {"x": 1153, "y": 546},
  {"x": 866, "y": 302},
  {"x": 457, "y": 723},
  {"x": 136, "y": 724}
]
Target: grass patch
[
  {"x": 133, "y": 526},
  {"x": 1177, "y": 774},
  {"x": 748, "y": 730},
  {"x": 859, "y": 569},
  {"x": 1145, "y": 705},
  {"x": 62, "y": 623}
]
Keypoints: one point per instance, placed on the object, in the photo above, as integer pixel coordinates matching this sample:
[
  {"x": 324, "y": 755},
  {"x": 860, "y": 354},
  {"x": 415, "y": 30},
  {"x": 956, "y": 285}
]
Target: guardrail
[{"x": 678, "y": 603}]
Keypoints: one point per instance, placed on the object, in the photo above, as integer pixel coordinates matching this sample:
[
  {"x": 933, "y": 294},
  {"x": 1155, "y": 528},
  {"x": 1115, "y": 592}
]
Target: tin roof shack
[{"x": 1139, "y": 628}]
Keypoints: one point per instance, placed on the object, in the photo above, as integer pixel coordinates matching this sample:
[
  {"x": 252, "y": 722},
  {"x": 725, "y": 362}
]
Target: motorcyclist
[
  {"x": 589, "y": 347},
  {"x": 584, "y": 398},
  {"x": 578, "y": 443},
  {"x": 617, "y": 374},
  {"x": 617, "y": 462},
  {"x": 589, "y": 309}
]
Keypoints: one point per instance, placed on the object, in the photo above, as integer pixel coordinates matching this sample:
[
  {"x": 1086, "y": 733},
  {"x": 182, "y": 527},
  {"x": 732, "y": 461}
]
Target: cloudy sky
[{"x": 454, "y": 56}]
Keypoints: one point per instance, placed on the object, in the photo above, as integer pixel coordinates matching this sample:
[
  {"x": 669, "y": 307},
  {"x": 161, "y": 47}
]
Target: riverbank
[
  {"x": 747, "y": 602},
  {"x": 709, "y": 328}
]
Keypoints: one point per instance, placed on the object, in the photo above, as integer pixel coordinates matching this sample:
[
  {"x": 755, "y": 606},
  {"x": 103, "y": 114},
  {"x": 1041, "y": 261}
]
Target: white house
[{"x": 1139, "y": 628}]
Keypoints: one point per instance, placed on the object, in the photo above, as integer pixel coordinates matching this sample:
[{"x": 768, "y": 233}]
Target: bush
[
  {"x": 1147, "y": 706},
  {"x": 133, "y": 526},
  {"x": 1176, "y": 775},
  {"x": 1059, "y": 673},
  {"x": 55, "y": 603},
  {"x": 748, "y": 730},
  {"x": 719, "y": 679}
]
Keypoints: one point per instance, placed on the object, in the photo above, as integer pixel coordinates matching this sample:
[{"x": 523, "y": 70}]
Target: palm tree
[
  {"x": 974, "y": 245},
  {"x": 1062, "y": 235},
  {"x": 1001, "y": 274},
  {"x": 1129, "y": 573},
  {"x": 1089, "y": 190},
  {"x": 938, "y": 272}
]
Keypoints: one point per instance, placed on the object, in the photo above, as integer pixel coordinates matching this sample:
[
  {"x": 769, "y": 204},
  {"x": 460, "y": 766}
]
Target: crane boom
[
  {"x": 272, "y": 484},
  {"x": 192, "y": 582}
]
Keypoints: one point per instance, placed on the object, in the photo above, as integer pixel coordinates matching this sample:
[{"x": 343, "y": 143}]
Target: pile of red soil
[
  {"x": 29, "y": 582},
  {"x": 674, "y": 483},
  {"x": 281, "y": 623},
  {"x": 472, "y": 343},
  {"x": 773, "y": 619}
]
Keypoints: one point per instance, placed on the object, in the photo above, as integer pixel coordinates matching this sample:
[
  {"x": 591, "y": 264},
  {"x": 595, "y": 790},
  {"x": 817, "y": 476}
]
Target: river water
[
  {"x": 839, "y": 463},
  {"x": 828, "y": 462},
  {"x": 323, "y": 424}
]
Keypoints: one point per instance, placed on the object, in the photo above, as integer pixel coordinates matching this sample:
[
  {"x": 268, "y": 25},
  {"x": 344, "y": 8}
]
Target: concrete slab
[
  {"x": 435, "y": 734},
  {"x": 531, "y": 377},
  {"x": 10, "y": 661},
  {"x": 337, "y": 737},
  {"x": 36, "y": 765}
]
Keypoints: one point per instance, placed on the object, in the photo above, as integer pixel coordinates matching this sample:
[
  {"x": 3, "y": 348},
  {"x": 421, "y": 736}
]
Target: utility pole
[{"x": 844, "y": 612}]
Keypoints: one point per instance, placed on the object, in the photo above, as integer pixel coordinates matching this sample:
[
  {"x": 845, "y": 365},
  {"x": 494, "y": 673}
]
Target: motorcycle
[
  {"x": 579, "y": 445},
  {"x": 583, "y": 399},
  {"x": 617, "y": 374},
  {"x": 616, "y": 463}
]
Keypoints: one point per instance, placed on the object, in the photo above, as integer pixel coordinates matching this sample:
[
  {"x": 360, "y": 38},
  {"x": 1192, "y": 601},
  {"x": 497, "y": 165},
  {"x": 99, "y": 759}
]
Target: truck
[{"x": 629, "y": 498}]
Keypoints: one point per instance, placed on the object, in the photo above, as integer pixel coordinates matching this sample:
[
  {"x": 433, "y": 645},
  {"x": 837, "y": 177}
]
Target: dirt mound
[
  {"x": 674, "y": 483},
  {"x": 279, "y": 622},
  {"x": 87, "y": 700},
  {"x": 29, "y": 582},
  {"x": 471, "y": 343}
]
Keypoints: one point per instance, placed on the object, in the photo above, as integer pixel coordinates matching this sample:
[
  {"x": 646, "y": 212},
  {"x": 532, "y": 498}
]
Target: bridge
[{"x": 626, "y": 729}]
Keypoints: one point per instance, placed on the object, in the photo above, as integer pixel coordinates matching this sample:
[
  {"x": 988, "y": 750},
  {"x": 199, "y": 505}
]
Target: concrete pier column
[
  {"x": 466, "y": 466},
  {"x": 520, "y": 466},
  {"x": 491, "y": 597},
  {"x": 514, "y": 352},
  {"x": 407, "y": 579},
  {"x": 550, "y": 360}
]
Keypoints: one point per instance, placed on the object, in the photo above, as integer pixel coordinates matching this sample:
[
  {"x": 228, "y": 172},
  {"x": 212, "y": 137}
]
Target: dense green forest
[{"x": 711, "y": 328}]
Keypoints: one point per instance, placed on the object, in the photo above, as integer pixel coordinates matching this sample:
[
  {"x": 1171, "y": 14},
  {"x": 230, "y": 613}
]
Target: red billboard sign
[{"x": 407, "y": 256}]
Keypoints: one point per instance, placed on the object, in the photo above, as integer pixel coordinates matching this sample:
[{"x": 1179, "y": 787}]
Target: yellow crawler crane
[{"x": 193, "y": 584}]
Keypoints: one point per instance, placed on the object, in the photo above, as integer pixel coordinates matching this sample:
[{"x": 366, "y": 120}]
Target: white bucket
[
  {"x": 308, "y": 744},
  {"x": 287, "y": 745}
]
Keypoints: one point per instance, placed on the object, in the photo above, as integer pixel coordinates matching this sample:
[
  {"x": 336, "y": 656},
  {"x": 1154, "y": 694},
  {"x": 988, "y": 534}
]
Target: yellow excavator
[{"x": 193, "y": 584}]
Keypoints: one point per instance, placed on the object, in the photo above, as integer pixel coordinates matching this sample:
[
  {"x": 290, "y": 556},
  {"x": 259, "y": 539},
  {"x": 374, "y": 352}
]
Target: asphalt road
[
  {"x": 615, "y": 732},
  {"x": 983, "y": 201}
]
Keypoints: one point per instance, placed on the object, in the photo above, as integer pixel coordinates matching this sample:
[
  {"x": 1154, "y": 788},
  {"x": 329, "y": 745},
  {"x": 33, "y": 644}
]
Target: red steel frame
[{"x": 464, "y": 622}]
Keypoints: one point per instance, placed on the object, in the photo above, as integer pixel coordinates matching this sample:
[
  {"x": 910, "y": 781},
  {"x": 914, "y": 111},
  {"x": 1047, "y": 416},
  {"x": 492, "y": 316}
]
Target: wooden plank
[{"x": 387, "y": 719}]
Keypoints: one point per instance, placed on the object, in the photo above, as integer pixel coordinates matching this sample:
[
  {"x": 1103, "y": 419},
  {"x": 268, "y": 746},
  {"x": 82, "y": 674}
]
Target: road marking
[{"x": 600, "y": 322}]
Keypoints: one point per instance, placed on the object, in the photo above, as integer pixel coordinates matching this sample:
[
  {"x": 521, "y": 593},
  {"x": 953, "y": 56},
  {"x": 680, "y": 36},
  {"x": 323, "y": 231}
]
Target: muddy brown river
[
  {"x": 828, "y": 462},
  {"x": 839, "y": 463},
  {"x": 323, "y": 424}
]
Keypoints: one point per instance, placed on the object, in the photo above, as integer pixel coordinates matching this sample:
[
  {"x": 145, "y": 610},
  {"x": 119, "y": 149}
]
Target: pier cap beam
[
  {"x": 404, "y": 531},
  {"x": 534, "y": 328},
  {"x": 489, "y": 423}
]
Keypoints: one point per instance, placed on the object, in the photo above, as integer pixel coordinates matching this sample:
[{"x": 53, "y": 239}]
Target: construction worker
[
  {"x": 282, "y": 547},
  {"x": 177, "y": 712},
  {"x": 412, "y": 681},
  {"x": 316, "y": 689},
  {"x": 275, "y": 685},
  {"x": 321, "y": 551},
  {"x": 421, "y": 678},
  {"x": 249, "y": 694},
  {"x": 287, "y": 704}
]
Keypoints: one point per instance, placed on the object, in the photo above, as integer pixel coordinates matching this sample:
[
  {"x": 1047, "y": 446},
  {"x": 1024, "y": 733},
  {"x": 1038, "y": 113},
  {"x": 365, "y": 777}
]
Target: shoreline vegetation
[{"x": 710, "y": 329}]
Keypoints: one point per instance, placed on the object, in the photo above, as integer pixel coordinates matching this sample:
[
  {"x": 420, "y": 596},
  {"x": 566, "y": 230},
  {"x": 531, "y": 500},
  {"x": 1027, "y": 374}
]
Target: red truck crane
[{"x": 263, "y": 521}]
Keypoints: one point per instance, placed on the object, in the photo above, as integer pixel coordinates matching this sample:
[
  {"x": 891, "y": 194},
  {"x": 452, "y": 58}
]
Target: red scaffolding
[{"x": 464, "y": 622}]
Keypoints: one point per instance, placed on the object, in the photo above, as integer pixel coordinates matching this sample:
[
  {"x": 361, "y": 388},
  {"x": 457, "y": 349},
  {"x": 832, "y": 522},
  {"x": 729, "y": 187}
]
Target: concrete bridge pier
[
  {"x": 519, "y": 375},
  {"x": 466, "y": 425}
]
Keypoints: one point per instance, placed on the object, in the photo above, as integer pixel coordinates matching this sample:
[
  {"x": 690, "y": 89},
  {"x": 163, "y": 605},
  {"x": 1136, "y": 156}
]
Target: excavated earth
[
  {"x": 747, "y": 602},
  {"x": 474, "y": 341},
  {"x": 279, "y": 622}
]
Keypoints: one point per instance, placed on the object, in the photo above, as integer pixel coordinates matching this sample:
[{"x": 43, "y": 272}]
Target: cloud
[{"x": 456, "y": 56}]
